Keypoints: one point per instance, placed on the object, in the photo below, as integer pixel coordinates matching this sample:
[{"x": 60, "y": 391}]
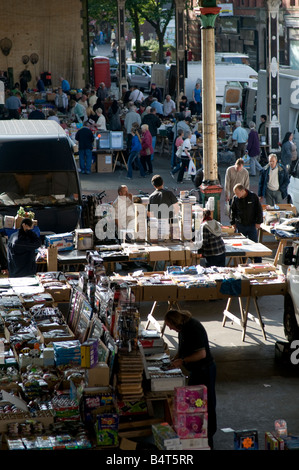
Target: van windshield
[{"x": 39, "y": 188}]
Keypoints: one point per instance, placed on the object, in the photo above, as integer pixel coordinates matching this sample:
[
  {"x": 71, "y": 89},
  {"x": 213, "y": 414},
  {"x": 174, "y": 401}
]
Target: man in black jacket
[
  {"x": 246, "y": 214},
  {"x": 21, "y": 249}
]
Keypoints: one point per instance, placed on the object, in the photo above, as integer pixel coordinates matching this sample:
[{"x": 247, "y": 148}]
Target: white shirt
[
  {"x": 168, "y": 107},
  {"x": 101, "y": 123},
  {"x": 136, "y": 95},
  {"x": 186, "y": 145}
]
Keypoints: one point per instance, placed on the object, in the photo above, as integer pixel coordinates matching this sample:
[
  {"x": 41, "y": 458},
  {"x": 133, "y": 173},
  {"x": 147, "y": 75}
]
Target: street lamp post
[
  {"x": 210, "y": 186},
  {"x": 273, "y": 123},
  {"x": 121, "y": 45},
  {"x": 180, "y": 49}
]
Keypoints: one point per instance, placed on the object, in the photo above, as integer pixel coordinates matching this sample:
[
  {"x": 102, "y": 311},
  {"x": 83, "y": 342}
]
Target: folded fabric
[{"x": 231, "y": 287}]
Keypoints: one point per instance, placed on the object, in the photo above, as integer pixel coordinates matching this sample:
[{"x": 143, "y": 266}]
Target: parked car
[
  {"x": 113, "y": 68},
  {"x": 139, "y": 75}
]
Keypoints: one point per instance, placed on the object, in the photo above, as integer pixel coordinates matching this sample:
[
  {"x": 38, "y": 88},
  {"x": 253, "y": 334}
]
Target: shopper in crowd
[
  {"x": 153, "y": 122},
  {"x": 40, "y": 84},
  {"x": 246, "y": 214},
  {"x": 235, "y": 174},
  {"x": 288, "y": 152},
  {"x": 168, "y": 56},
  {"x": 212, "y": 244},
  {"x": 65, "y": 85},
  {"x": 102, "y": 92},
  {"x": 239, "y": 138},
  {"x": 77, "y": 112},
  {"x": 197, "y": 98},
  {"x": 253, "y": 150},
  {"x": 195, "y": 356},
  {"x": 61, "y": 101},
  {"x": 114, "y": 117},
  {"x": 168, "y": 107},
  {"x": 21, "y": 248},
  {"x": 273, "y": 182},
  {"x": 131, "y": 117},
  {"x": 52, "y": 116},
  {"x": 136, "y": 95},
  {"x": 36, "y": 113},
  {"x": 101, "y": 120},
  {"x": 185, "y": 157},
  {"x": 13, "y": 105},
  {"x": 146, "y": 149},
  {"x": 163, "y": 203},
  {"x": 178, "y": 143},
  {"x": 135, "y": 154},
  {"x": 85, "y": 139},
  {"x": 124, "y": 210},
  {"x": 183, "y": 105},
  {"x": 158, "y": 106},
  {"x": 155, "y": 92}
]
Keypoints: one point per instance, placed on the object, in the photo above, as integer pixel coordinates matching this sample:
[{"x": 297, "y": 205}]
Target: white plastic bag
[{"x": 191, "y": 168}]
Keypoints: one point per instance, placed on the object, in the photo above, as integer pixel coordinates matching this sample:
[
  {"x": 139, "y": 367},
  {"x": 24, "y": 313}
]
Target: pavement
[{"x": 253, "y": 387}]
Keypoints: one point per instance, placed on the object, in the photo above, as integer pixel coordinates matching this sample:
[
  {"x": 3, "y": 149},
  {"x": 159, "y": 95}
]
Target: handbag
[{"x": 179, "y": 151}]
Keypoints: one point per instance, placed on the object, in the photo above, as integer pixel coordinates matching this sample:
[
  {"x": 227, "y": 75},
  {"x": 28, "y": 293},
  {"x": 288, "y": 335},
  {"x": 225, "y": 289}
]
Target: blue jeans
[
  {"x": 250, "y": 232},
  {"x": 254, "y": 165},
  {"x": 132, "y": 157},
  {"x": 85, "y": 159},
  {"x": 154, "y": 138}
]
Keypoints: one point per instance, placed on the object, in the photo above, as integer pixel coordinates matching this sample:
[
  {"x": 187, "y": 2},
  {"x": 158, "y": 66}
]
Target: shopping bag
[
  {"x": 179, "y": 151},
  {"x": 191, "y": 168}
]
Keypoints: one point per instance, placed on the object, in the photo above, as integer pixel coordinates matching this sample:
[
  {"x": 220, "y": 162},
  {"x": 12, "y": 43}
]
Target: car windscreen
[
  {"x": 28, "y": 155},
  {"x": 39, "y": 188}
]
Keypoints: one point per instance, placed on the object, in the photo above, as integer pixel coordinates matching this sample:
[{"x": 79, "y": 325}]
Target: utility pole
[{"x": 210, "y": 186}]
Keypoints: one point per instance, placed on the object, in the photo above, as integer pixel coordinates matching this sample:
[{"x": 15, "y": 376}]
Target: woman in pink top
[{"x": 146, "y": 149}]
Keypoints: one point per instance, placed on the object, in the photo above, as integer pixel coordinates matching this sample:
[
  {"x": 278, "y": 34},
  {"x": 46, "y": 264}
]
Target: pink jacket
[{"x": 146, "y": 142}]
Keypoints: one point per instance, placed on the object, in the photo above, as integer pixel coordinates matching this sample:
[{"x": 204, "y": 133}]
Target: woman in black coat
[{"x": 21, "y": 249}]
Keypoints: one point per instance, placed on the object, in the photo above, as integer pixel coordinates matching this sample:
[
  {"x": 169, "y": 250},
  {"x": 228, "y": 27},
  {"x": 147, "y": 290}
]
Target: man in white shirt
[
  {"x": 235, "y": 174},
  {"x": 136, "y": 95},
  {"x": 168, "y": 106}
]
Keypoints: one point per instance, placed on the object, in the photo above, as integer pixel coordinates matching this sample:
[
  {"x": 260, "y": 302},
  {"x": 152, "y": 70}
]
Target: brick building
[{"x": 54, "y": 31}]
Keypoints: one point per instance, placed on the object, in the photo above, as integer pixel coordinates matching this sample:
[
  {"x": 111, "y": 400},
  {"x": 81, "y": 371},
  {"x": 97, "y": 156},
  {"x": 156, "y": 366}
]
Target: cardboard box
[
  {"x": 158, "y": 253},
  {"x": 52, "y": 258},
  {"x": 68, "y": 336},
  {"x": 160, "y": 293},
  {"x": 63, "y": 241},
  {"x": 98, "y": 376},
  {"x": 104, "y": 163}
]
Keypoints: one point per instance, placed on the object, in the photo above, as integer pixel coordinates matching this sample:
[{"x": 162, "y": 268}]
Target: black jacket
[
  {"x": 247, "y": 210},
  {"x": 153, "y": 122},
  {"x": 21, "y": 253}
]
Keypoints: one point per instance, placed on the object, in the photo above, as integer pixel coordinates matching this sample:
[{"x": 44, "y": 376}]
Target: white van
[
  {"x": 231, "y": 58},
  {"x": 232, "y": 74}
]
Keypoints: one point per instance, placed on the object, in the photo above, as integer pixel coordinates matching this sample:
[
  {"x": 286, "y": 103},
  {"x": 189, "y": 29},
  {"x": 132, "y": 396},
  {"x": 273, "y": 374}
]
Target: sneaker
[
  {"x": 128, "y": 178},
  {"x": 180, "y": 182},
  {"x": 171, "y": 174}
]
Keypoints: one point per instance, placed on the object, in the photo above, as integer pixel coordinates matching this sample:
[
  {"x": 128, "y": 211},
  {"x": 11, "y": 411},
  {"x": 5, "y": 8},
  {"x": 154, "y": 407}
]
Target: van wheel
[{"x": 291, "y": 329}]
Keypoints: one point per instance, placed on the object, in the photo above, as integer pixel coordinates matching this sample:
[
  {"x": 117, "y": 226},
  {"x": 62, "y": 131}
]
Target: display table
[
  {"x": 247, "y": 281},
  {"x": 282, "y": 241}
]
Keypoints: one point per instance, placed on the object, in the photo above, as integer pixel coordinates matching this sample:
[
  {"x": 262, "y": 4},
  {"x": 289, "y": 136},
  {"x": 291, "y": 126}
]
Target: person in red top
[
  {"x": 168, "y": 56},
  {"x": 146, "y": 149}
]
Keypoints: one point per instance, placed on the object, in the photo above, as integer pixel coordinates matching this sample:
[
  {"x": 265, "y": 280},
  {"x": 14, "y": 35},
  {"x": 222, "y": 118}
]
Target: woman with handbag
[{"x": 146, "y": 149}]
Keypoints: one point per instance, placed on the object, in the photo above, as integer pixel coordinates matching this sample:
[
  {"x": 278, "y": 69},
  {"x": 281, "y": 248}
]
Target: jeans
[
  {"x": 273, "y": 197},
  {"x": 154, "y": 138},
  {"x": 198, "y": 108},
  {"x": 185, "y": 162},
  {"x": 85, "y": 159},
  {"x": 134, "y": 156},
  {"x": 250, "y": 232},
  {"x": 254, "y": 165}
]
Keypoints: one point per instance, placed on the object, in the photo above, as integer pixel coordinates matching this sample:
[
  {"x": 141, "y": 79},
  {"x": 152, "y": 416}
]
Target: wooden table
[{"x": 282, "y": 241}]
